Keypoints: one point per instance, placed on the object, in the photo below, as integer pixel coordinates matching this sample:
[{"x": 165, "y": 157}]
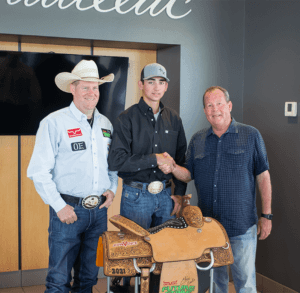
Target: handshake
[{"x": 165, "y": 163}]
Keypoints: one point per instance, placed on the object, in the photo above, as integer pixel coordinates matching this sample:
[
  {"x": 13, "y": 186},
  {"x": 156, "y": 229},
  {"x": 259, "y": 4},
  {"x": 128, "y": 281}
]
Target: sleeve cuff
[
  {"x": 179, "y": 191},
  {"x": 152, "y": 161},
  {"x": 58, "y": 204},
  {"x": 113, "y": 188},
  {"x": 180, "y": 187},
  {"x": 261, "y": 171}
]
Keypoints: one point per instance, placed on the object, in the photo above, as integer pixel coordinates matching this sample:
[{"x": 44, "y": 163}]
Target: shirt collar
[
  {"x": 79, "y": 115},
  {"x": 231, "y": 129},
  {"x": 144, "y": 107}
]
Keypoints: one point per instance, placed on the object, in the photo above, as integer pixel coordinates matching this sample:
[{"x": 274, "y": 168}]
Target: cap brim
[
  {"x": 151, "y": 76},
  {"x": 64, "y": 79}
]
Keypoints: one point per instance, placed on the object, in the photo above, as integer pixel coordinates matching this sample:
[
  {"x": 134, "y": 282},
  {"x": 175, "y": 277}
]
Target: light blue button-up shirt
[{"x": 70, "y": 157}]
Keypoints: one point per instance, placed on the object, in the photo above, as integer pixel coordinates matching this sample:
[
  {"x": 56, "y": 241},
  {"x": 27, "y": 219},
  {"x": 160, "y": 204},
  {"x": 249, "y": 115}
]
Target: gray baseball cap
[{"x": 153, "y": 70}]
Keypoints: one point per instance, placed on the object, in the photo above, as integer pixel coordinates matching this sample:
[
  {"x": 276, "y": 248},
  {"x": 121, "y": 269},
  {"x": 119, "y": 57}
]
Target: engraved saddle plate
[
  {"x": 129, "y": 246},
  {"x": 185, "y": 244}
]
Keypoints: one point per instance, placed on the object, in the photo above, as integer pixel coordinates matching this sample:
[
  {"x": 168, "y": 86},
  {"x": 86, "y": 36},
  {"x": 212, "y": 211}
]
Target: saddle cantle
[{"x": 168, "y": 249}]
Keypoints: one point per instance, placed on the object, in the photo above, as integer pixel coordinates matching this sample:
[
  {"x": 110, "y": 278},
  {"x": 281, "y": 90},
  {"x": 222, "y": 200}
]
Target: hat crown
[
  {"x": 153, "y": 70},
  {"x": 86, "y": 69}
]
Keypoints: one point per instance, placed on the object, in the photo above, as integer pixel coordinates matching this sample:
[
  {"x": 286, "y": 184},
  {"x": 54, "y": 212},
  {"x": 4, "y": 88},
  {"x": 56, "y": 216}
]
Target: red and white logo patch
[
  {"x": 169, "y": 283},
  {"x": 125, "y": 243},
  {"x": 74, "y": 132}
]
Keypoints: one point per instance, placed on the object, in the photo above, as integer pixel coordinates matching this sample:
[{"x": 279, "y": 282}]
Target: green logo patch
[
  {"x": 106, "y": 133},
  {"x": 178, "y": 289}
]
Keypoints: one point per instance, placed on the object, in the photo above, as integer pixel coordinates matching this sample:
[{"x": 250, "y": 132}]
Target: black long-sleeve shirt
[{"x": 137, "y": 137}]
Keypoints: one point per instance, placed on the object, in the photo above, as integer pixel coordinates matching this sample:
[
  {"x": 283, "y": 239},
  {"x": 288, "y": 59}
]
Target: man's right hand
[
  {"x": 67, "y": 215},
  {"x": 165, "y": 162}
]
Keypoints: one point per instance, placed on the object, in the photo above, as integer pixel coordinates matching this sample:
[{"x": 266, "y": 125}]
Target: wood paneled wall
[
  {"x": 34, "y": 213},
  {"x": 9, "y": 230},
  {"x": 34, "y": 216}
]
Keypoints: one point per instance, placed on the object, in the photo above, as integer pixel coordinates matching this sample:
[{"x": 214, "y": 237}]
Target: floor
[{"x": 99, "y": 288}]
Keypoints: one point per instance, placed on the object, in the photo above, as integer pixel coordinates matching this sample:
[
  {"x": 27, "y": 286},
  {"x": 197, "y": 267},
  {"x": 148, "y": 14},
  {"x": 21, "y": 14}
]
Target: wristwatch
[{"x": 267, "y": 216}]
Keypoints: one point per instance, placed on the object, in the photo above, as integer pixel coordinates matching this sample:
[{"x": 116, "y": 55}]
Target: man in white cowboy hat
[
  {"x": 70, "y": 172},
  {"x": 142, "y": 134}
]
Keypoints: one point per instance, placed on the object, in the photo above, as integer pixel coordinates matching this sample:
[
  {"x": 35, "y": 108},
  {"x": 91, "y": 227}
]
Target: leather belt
[
  {"x": 153, "y": 187},
  {"x": 89, "y": 202}
]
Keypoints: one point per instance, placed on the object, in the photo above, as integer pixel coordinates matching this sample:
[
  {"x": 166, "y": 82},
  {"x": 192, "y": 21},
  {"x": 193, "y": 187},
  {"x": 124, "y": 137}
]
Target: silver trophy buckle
[
  {"x": 90, "y": 202},
  {"x": 155, "y": 187}
]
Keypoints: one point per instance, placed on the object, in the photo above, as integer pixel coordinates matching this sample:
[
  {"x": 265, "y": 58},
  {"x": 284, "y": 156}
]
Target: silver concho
[
  {"x": 91, "y": 201},
  {"x": 155, "y": 187}
]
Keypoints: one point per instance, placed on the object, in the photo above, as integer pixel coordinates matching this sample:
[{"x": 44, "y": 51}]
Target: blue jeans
[
  {"x": 145, "y": 208},
  {"x": 243, "y": 268},
  {"x": 74, "y": 246}
]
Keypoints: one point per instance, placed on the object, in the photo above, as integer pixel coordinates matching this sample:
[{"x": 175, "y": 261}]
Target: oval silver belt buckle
[
  {"x": 91, "y": 202},
  {"x": 155, "y": 187}
]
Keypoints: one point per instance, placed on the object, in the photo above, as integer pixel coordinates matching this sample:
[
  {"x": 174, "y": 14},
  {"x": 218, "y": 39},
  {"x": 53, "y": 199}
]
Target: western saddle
[{"x": 174, "y": 249}]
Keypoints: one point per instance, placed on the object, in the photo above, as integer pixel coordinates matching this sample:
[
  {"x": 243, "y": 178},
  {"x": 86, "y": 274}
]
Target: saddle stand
[{"x": 174, "y": 249}]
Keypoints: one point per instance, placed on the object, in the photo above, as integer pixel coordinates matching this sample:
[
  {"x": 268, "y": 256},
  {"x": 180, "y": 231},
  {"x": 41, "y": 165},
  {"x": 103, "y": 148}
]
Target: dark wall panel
[
  {"x": 272, "y": 71},
  {"x": 170, "y": 58},
  {"x": 28, "y": 92}
]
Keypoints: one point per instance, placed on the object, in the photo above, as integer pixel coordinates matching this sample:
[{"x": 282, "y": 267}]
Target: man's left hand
[
  {"x": 109, "y": 199},
  {"x": 264, "y": 228},
  {"x": 177, "y": 200}
]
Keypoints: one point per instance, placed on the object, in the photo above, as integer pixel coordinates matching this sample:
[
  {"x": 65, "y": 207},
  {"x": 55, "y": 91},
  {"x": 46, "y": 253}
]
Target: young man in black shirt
[{"x": 142, "y": 134}]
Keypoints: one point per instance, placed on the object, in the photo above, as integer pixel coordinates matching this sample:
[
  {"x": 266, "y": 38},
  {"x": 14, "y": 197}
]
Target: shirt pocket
[
  {"x": 203, "y": 161},
  {"x": 235, "y": 159},
  {"x": 170, "y": 142}
]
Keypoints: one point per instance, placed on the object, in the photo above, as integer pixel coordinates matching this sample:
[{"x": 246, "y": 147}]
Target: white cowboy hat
[{"x": 84, "y": 70}]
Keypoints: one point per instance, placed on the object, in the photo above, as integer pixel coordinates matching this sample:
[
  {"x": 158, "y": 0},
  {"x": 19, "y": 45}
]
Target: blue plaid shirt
[{"x": 225, "y": 170}]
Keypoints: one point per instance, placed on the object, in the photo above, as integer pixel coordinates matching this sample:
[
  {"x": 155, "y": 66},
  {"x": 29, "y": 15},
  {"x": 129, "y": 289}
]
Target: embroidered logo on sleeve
[
  {"x": 74, "y": 132},
  {"x": 106, "y": 133},
  {"x": 78, "y": 146}
]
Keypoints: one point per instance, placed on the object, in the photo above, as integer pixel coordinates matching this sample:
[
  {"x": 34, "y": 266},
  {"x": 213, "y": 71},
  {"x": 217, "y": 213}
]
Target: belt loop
[
  {"x": 165, "y": 183},
  {"x": 102, "y": 199},
  {"x": 145, "y": 187}
]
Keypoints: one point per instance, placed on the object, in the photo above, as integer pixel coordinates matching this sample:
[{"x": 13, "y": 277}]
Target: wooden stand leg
[{"x": 145, "y": 278}]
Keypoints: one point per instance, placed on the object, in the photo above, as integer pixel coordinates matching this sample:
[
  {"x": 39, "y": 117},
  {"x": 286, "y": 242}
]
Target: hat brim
[{"x": 64, "y": 79}]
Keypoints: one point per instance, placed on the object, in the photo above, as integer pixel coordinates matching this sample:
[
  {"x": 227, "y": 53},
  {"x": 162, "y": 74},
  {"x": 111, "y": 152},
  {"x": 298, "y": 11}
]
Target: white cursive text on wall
[{"x": 117, "y": 6}]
